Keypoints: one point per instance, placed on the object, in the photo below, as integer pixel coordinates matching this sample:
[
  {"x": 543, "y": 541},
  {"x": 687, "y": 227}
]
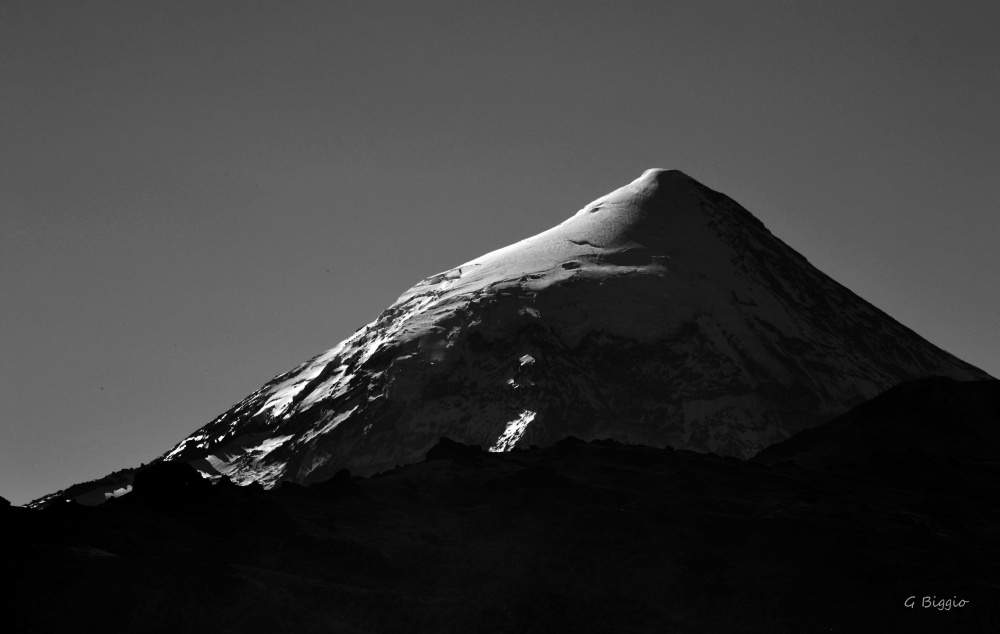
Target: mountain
[
  {"x": 661, "y": 314},
  {"x": 934, "y": 418}
]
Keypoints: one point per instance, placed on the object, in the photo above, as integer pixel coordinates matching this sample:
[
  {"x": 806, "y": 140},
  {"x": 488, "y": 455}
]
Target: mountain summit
[{"x": 662, "y": 313}]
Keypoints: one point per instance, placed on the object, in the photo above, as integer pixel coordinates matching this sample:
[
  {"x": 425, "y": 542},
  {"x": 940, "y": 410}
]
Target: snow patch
[
  {"x": 328, "y": 425},
  {"x": 515, "y": 429},
  {"x": 225, "y": 467},
  {"x": 117, "y": 493},
  {"x": 268, "y": 446}
]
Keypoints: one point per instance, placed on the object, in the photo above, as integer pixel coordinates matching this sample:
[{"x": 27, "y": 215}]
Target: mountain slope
[
  {"x": 662, "y": 313},
  {"x": 933, "y": 417}
]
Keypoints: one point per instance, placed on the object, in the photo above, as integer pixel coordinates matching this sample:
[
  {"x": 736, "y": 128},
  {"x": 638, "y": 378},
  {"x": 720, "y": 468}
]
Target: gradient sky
[{"x": 195, "y": 197}]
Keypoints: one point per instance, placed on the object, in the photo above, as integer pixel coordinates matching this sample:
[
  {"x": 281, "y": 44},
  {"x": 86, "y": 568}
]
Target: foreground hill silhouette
[{"x": 582, "y": 537}]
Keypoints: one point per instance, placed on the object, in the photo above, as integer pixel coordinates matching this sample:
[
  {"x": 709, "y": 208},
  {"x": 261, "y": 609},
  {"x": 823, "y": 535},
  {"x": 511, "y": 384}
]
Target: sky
[{"x": 198, "y": 196}]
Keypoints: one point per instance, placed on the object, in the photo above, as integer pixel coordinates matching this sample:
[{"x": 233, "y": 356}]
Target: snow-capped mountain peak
[{"x": 662, "y": 313}]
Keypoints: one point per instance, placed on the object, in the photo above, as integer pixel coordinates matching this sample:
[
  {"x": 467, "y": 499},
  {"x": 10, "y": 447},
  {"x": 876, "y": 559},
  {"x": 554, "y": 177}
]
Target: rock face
[{"x": 662, "y": 314}]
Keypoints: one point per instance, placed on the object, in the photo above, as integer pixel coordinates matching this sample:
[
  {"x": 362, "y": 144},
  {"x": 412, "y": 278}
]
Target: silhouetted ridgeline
[{"x": 582, "y": 537}]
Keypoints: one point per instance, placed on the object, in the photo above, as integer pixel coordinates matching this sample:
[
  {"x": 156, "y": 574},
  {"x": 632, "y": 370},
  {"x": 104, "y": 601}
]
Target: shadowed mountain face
[
  {"x": 934, "y": 418},
  {"x": 662, "y": 314}
]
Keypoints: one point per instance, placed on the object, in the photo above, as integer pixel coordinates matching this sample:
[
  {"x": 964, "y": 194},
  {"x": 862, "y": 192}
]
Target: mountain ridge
[{"x": 577, "y": 536}]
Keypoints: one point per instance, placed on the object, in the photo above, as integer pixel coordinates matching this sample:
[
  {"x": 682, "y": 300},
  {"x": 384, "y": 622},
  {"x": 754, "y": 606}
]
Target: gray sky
[{"x": 195, "y": 197}]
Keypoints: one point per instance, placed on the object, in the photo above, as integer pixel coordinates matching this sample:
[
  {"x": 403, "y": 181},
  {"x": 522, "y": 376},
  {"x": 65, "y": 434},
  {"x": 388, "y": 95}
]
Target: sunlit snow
[
  {"x": 117, "y": 493},
  {"x": 513, "y": 432}
]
